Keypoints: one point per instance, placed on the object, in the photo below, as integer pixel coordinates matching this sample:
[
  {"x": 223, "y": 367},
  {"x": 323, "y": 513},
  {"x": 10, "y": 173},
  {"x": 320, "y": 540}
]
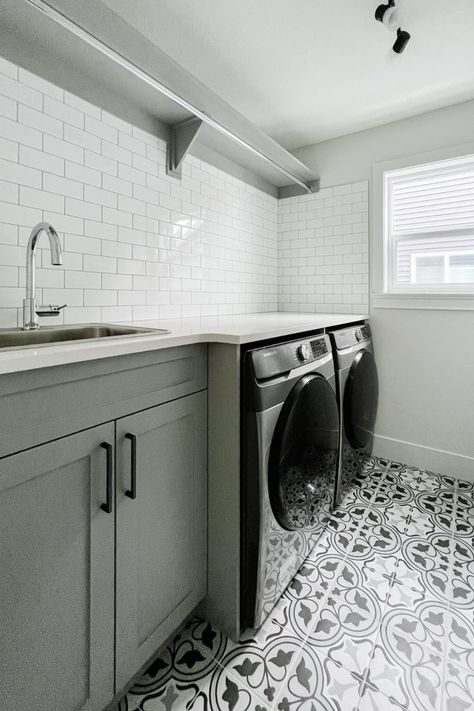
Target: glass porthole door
[
  {"x": 304, "y": 454},
  {"x": 360, "y": 400}
]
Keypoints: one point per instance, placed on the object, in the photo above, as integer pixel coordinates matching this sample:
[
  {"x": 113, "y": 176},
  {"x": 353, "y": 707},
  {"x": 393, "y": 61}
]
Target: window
[
  {"x": 442, "y": 268},
  {"x": 429, "y": 228}
]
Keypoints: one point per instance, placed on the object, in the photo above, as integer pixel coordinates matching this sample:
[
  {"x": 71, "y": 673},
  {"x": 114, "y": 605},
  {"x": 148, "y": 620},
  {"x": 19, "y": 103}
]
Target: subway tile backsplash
[
  {"x": 140, "y": 245},
  {"x": 137, "y": 244},
  {"x": 323, "y": 250}
]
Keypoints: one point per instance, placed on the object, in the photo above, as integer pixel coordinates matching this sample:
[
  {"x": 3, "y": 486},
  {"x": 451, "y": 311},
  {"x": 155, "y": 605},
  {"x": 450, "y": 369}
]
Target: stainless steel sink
[{"x": 17, "y": 338}]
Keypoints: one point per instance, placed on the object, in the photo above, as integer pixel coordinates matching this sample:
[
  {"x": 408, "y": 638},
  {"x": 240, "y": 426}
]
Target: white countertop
[{"x": 238, "y": 329}]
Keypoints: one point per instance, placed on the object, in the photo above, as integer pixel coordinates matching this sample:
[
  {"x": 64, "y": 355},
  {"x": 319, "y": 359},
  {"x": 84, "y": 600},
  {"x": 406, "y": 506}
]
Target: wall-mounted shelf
[{"x": 87, "y": 48}]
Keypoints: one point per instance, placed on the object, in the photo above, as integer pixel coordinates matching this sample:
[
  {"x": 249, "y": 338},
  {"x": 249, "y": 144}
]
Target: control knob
[
  {"x": 303, "y": 352},
  {"x": 358, "y": 335}
]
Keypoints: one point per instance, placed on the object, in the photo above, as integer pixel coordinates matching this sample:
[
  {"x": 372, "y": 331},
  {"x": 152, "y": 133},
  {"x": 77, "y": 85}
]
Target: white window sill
[{"x": 440, "y": 302}]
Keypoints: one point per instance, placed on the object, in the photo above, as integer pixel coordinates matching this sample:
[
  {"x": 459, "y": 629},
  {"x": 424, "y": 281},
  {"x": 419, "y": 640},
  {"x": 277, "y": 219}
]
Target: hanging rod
[{"x": 132, "y": 68}]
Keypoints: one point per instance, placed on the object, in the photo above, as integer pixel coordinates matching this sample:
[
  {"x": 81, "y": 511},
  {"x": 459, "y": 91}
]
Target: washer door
[
  {"x": 360, "y": 400},
  {"x": 304, "y": 454}
]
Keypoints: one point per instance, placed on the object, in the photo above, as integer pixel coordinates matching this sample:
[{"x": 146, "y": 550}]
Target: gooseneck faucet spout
[{"x": 30, "y": 307}]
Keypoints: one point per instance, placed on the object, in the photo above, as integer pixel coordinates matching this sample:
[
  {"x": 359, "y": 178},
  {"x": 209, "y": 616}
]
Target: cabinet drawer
[{"x": 43, "y": 405}]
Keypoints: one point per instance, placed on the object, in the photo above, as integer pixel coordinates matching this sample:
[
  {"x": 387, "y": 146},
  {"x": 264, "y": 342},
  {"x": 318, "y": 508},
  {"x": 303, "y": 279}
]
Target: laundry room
[{"x": 236, "y": 370}]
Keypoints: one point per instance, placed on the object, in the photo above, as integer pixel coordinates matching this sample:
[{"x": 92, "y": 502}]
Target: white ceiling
[{"x": 308, "y": 70}]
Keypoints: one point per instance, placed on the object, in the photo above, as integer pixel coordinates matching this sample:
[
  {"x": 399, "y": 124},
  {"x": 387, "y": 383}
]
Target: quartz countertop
[{"x": 236, "y": 329}]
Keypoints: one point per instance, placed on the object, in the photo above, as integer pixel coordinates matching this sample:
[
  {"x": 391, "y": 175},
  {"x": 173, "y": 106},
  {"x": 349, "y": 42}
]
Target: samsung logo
[{"x": 267, "y": 354}]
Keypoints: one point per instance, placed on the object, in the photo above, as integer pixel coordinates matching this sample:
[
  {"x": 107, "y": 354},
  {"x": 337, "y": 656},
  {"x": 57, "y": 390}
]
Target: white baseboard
[{"x": 435, "y": 460}]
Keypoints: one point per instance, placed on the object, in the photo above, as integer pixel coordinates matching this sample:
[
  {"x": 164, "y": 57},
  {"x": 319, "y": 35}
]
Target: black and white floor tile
[{"x": 379, "y": 617}]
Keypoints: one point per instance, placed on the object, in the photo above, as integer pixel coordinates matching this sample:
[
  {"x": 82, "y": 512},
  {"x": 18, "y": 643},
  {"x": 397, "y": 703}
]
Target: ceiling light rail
[{"x": 183, "y": 134}]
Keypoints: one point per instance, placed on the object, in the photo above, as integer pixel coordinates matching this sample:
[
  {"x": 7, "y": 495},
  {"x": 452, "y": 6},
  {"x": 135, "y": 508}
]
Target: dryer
[
  {"x": 289, "y": 465},
  {"x": 357, "y": 390}
]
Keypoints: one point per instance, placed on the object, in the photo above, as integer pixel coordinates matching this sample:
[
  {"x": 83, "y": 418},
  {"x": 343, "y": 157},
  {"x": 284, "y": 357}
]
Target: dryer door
[
  {"x": 304, "y": 454},
  {"x": 360, "y": 400}
]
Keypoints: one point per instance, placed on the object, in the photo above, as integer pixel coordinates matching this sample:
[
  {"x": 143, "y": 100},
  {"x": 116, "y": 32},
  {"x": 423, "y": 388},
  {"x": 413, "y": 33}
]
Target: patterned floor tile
[
  {"x": 263, "y": 669},
  {"x": 462, "y": 596},
  {"x": 339, "y": 534},
  {"x": 464, "y": 499},
  {"x": 374, "y": 700},
  {"x": 379, "y": 574},
  {"x": 387, "y": 677},
  {"x": 420, "y": 480},
  {"x": 407, "y": 589},
  {"x": 380, "y": 617},
  {"x": 217, "y": 691},
  {"x": 460, "y": 645},
  {"x": 463, "y": 525},
  {"x": 430, "y": 560},
  {"x": 465, "y": 486},
  {"x": 347, "y": 626},
  {"x": 429, "y": 481},
  {"x": 458, "y": 689},
  {"x": 419, "y": 525},
  {"x": 382, "y": 537},
  {"x": 392, "y": 491},
  {"x": 319, "y": 684},
  {"x": 397, "y": 516},
  {"x": 295, "y": 611},
  {"x": 375, "y": 466},
  {"x": 438, "y": 507},
  {"x": 182, "y": 660},
  {"x": 411, "y": 651}
]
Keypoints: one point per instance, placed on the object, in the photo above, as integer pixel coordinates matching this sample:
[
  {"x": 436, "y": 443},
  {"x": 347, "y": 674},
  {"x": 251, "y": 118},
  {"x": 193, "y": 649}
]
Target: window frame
[{"x": 382, "y": 293}]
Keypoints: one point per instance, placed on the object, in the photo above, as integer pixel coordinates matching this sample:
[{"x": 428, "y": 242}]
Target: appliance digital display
[{"x": 319, "y": 348}]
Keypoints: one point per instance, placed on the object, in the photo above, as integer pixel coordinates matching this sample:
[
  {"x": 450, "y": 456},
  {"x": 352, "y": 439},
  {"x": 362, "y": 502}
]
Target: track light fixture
[{"x": 387, "y": 14}]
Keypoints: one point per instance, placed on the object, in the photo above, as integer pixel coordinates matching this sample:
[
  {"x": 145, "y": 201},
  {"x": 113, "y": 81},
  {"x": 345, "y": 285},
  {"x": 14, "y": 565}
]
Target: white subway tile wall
[
  {"x": 140, "y": 245},
  {"x": 323, "y": 250},
  {"x": 137, "y": 244}
]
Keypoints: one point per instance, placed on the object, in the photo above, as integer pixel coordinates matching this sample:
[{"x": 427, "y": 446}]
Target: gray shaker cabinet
[
  {"x": 85, "y": 593},
  {"x": 57, "y": 575},
  {"x": 161, "y": 529}
]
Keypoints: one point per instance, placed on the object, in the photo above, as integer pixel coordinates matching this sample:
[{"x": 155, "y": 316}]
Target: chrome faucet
[{"x": 31, "y": 310}]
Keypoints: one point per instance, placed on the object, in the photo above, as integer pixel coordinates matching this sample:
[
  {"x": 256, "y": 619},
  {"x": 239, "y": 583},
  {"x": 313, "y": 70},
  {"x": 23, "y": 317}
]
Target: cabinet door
[
  {"x": 162, "y": 533},
  {"x": 57, "y": 576}
]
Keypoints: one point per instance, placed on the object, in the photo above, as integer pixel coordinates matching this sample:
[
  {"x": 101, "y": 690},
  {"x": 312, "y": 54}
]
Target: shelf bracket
[{"x": 182, "y": 137}]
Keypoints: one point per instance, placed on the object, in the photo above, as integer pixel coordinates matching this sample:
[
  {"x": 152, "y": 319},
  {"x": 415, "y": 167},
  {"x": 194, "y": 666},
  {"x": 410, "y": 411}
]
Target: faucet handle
[{"x": 49, "y": 310}]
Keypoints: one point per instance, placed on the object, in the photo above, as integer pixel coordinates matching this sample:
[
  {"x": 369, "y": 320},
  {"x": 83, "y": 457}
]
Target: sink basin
[{"x": 17, "y": 338}]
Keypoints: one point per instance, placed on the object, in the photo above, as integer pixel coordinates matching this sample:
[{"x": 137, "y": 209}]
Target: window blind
[{"x": 437, "y": 199}]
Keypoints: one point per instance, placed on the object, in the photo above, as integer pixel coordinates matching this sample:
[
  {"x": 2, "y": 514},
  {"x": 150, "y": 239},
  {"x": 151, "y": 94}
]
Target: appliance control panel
[
  {"x": 274, "y": 360},
  {"x": 347, "y": 337}
]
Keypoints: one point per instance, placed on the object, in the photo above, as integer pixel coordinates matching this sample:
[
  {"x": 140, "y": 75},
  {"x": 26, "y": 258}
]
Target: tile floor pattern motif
[{"x": 380, "y": 616}]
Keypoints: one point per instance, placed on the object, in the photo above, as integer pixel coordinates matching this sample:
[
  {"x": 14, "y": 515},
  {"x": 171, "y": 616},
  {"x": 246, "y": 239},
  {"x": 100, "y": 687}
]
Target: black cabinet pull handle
[
  {"x": 132, "y": 492},
  {"x": 107, "y": 507}
]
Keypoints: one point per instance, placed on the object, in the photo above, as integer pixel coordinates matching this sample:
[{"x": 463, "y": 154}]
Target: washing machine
[
  {"x": 357, "y": 390},
  {"x": 289, "y": 465}
]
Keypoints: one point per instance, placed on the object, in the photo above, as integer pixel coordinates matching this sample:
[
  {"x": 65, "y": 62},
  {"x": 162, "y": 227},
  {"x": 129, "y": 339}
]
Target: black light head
[{"x": 401, "y": 41}]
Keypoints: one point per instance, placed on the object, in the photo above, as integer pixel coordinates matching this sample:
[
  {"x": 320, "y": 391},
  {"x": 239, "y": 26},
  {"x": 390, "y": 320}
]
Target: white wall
[
  {"x": 425, "y": 358},
  {"x": 426, "y": 413},
  {"x": 350, "y": 158},
  {"x": 323, "y": 250},
  {"x": 137, "y": 244}
]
